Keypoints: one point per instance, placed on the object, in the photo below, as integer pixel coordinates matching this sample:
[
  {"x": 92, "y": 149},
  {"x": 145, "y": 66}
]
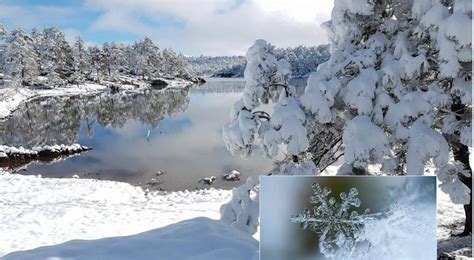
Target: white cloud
[
  {"x": 216, "y": 27},
  {"x": 210, "y": 27}
]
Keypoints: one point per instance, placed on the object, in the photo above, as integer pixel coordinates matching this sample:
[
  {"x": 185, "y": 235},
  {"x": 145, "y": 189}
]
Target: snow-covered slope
[
  {"x": 198, "y": 238},
  {"x": 39, "y": 212}
]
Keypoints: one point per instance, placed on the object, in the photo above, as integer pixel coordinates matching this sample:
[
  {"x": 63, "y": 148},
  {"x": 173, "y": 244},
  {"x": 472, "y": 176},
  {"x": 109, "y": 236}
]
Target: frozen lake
[{"x": 184, "y": 129}]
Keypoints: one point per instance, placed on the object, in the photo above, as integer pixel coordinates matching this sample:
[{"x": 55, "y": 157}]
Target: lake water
[{"x": 135, "y": 136}]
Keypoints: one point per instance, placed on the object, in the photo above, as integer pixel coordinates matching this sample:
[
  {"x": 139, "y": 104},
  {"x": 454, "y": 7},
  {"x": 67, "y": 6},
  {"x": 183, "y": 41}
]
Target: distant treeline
[
  {"x": 303, "y": 61},
  {"x": 43, "y": 58}
]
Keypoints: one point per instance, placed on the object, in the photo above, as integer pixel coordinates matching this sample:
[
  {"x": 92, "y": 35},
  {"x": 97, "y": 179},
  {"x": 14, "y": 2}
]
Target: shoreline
[{"x": 12, "y": 98}]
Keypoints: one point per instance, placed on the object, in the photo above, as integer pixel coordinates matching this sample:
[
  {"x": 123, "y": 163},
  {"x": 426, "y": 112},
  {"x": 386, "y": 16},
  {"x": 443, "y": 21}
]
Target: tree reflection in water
[{"x": 58, "y": 120}]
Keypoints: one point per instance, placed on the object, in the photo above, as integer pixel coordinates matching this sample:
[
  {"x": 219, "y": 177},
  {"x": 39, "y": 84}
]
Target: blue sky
[{"x": 210, "y": 27}]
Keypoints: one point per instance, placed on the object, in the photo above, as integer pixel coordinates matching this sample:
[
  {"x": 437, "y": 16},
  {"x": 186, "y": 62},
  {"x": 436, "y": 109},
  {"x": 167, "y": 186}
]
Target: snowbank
[
  {"x": 39, "y": 212},
  {"x": 198, "y": 238},
  {"x": 38, "y": 151}
]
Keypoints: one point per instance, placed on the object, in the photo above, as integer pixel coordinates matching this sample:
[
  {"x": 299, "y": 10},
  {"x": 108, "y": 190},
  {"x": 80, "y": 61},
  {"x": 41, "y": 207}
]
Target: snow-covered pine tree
[
  {"x": 284, "y": 131},
  {"x": 398, "y": 83},
  {"x": 55, "y": 56},
  {"x": 20, "y": 59},
  {"x": 81, "y": 67},
  {"x": 402, "y": 72},
  {"x": 170, "y": 62},
  {"x": 182, "y": 67},
  {"x": 289, "y": 127},
  {"x": 96, "y": 59},
  {"x": 174, "y": 65},
  {"x": 114, "y": 59},
  {"x": 267, "y": 79},
  {"x": 146, "y": 58}
]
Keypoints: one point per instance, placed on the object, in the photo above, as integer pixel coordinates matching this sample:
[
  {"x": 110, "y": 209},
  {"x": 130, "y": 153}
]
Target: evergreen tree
[
  {"x": 97, "y": 61},
  {"x": 55, "y": 56},
  {"x": 397, "y": 90},
  {"x": 146, "y": 58},
  {"x": 81, "y": 67},
  {"x": 20, "y": 58}
]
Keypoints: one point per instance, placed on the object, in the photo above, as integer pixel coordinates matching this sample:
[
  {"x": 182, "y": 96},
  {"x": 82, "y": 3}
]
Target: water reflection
[
  {"x": 135, "y": 137},
  {"x": 59, "y": 119}
]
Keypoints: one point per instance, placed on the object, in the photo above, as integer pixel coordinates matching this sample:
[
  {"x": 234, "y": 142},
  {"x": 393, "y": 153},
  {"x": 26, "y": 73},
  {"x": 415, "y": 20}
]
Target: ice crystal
[{"x": 337, "y": 225}]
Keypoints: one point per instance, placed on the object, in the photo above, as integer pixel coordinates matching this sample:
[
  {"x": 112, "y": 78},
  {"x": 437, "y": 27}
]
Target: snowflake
[{"x": 337, "y": 226}]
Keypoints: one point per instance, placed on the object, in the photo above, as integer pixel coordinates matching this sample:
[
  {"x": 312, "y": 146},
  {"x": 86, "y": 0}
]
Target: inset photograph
[{"x": 339, "y": 217}]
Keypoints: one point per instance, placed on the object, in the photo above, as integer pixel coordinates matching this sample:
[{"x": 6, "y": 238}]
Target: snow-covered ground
[
  {"x": 40, "y": 212},
  {"x": 450, "y": 219}
]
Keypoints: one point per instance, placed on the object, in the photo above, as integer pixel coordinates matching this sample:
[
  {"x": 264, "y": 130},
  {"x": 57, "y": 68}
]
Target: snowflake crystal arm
[{"x": 336, "y": 224}]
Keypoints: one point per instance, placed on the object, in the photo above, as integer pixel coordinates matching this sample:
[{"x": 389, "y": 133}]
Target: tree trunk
[{"x": 461, "y": 154}]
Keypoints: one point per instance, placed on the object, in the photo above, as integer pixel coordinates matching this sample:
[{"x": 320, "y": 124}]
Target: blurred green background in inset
[{"x": 284, "y": 196}]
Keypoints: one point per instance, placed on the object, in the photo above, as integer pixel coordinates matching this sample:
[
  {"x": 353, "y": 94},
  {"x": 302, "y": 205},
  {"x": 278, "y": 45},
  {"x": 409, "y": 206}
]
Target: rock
[
  {"x": 158, "y": 84},
  {"x": 197, "y": 80},
  {"x": 208, "y": 180},
  {"x": 231, "y": 176},
  {"x": 159, "y": 173}
]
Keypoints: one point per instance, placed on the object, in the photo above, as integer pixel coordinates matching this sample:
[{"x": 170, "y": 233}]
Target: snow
[
  {"x": 198, "y": 238},
  {"x": 409, "y": 108},
  {"x": 424, "y": 144},
  {"x": 38, "y": 149},
  {"x": 288, "y": 119},
  {"x": 362, "y": 7},
  {"x": 318, "y": 97},
  {"x": 242, "y": 210},
  {"x": 40, "y": 212},
  {"x": 360, "y": 91},
  {"x": 365, "y": 142},
  {"x": 456, "y": 28},
  {"x": 435, "y": 15}
]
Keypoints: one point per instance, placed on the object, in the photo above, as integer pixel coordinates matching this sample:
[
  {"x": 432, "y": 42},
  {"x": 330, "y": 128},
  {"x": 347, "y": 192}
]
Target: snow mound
[{"x": 198, "y": 238}]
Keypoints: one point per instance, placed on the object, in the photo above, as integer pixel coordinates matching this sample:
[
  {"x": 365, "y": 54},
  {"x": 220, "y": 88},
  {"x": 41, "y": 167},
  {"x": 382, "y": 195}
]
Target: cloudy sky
[{"x": 193, "y": 27}]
